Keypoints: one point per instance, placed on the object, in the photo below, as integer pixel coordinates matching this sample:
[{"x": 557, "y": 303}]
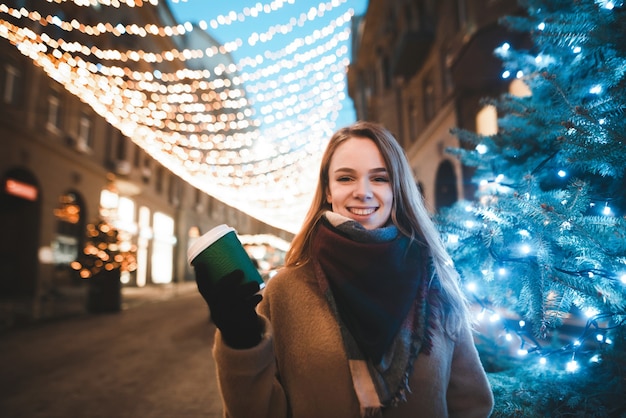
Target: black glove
[{"x": 232, "y": 304}]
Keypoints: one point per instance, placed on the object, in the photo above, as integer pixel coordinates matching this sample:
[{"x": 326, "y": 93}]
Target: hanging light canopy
[{"x": 250, "y": 133}]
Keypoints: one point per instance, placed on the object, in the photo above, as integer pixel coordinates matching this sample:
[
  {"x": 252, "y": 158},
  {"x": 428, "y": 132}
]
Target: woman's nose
[{"x": 362, "y": 190}]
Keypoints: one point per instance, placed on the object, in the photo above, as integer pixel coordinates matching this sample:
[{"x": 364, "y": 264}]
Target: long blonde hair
[{"x": 408, "y": 214}]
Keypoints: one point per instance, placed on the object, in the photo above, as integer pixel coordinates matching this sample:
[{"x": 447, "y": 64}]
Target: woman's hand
[{"x": 233, "y": 307}]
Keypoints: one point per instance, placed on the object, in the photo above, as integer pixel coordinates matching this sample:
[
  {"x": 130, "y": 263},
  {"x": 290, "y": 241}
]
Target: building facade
[
  {"x": 421, "y": 68},
  {"x": 63, "y": 167}
]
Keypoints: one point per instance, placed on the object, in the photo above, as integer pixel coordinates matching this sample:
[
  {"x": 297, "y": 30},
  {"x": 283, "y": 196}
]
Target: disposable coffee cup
[{"x": 221, "y": 252}]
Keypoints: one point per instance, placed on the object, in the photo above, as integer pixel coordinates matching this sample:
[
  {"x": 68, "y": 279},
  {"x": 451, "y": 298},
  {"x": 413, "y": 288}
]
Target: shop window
[
  {"x": 68, "y": 237},
  {"x": 126, "y": 216},
  {"x": 162, "y": 248},
  {"x": 143, "y": 240}
]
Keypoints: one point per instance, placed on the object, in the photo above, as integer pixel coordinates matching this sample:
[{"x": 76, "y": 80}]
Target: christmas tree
[
  {"x": 542, "y": 247},
  {"x": 104, "y": 251},
  {"x": 104, "y": 257}
]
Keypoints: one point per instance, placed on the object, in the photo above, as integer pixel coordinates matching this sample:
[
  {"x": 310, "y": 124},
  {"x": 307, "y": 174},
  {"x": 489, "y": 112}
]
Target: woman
[{"x": 366, "y": 318}]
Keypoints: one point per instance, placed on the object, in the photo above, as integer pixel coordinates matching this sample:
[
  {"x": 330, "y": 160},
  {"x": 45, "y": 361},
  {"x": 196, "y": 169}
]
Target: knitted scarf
[{"x": 376, "y": 284}]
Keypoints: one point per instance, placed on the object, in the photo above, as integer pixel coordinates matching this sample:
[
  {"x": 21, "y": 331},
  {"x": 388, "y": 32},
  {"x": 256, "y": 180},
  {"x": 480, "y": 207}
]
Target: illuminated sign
[{"x": 21, "y": 189}]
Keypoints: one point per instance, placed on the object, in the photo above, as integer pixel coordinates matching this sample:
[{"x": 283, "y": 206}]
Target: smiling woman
[{"x": 366, "y": 319}]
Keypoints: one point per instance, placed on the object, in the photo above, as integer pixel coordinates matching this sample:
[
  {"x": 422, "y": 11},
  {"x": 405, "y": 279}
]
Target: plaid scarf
[{"x": 376, "y": 284}]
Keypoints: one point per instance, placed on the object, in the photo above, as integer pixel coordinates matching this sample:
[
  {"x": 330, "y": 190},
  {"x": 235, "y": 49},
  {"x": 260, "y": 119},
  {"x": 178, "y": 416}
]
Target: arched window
[
  {"x": 487, "y": 121},
  {"x": 445, "y": 185}
]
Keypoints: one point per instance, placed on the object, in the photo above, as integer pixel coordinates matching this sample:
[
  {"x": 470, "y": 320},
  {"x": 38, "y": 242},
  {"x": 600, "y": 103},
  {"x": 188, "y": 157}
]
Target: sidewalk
[{"x": 135, "y": 296}]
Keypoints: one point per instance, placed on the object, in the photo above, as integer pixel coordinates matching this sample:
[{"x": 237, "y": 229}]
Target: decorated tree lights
[
  {"x": 104, "y": 257},
  {"x": 542, "y": 248}
]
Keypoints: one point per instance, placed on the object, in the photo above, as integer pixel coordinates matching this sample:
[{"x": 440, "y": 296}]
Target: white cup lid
[{"x": 207, "y": 239}]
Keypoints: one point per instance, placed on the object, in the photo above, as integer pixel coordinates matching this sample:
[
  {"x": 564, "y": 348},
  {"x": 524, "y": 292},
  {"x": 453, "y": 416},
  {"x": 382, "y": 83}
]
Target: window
[
  {"x": 136, "y": 157},
  {"x": 174, "y": 191},
  {"x": 158, "y": 182},
  {"x": 210, "y": 206},
  {"x": 84, "y": 140},
  {"x": 12, "y": 78},
  {"x": 120, "y": 147},
  {"x": 120, "y": 161},
  {"x": 387, "y": 77},
  {"x": 54, "y": 112},
  {"x": 197, "y": 200},
  {"x": 487, "y": 121},
  {"x": 146, "y": 171},
  {"x": 126, "y": 216},
  {"x": 519, "y": 88}
]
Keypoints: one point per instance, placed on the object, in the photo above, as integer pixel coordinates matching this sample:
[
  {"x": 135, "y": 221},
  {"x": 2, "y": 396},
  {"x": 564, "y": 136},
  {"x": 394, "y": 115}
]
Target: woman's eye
[
  {"x": 381, "y": 179},
  {"x": 343, "y": 178}
]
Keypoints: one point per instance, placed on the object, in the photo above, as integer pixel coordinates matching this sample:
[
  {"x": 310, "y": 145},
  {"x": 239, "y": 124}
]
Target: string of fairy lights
[{"x": 248, "y": 132}]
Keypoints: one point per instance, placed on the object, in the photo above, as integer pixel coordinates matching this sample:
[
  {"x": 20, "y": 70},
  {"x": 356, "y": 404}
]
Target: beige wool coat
[{"x": 300, "y": 368}]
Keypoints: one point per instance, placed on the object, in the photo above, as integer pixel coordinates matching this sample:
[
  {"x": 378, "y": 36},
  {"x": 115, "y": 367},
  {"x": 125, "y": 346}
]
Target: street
[{"x": 151, "y": 361}]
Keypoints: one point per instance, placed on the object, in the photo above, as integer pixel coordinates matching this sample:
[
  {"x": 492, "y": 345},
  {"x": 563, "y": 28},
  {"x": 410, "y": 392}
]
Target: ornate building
[{"x": 421, "y": 67}]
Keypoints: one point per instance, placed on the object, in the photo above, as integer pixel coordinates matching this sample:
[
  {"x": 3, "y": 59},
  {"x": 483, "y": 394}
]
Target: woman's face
[{"x": 359, "y": 186}]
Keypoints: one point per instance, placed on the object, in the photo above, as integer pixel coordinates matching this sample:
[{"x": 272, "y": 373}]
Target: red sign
[{"x": 20, "y": 189}]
